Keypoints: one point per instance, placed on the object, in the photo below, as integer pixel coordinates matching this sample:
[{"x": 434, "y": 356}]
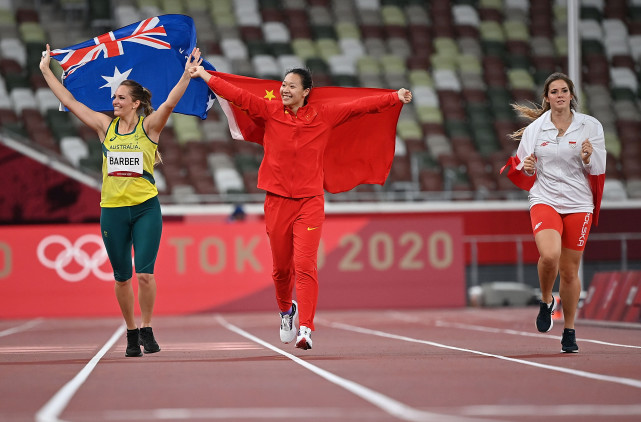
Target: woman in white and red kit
[
  {"x": 291, "y": 173},
  {"x": 561, "y": 161}
]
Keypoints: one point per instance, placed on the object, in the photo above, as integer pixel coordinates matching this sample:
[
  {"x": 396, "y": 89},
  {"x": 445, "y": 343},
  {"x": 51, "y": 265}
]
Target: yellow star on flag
[{"x": 269, "y": 95}]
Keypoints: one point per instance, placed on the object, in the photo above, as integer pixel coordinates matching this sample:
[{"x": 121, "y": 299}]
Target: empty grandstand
[{"x": 465, "y": 60}]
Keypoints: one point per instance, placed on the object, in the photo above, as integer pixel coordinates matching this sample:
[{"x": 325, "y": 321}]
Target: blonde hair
[
  {"x": 142, "y": 94},
  {"x": 533, "y": 113}
]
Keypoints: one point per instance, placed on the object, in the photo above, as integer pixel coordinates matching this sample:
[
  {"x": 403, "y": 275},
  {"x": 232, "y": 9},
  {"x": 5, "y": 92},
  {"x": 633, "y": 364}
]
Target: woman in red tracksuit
[{"x": 291, "y": 172}]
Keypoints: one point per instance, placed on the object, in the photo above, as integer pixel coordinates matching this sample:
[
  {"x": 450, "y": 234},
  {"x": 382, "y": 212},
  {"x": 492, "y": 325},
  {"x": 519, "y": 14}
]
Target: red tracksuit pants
[{"x": 294, "y": 228}]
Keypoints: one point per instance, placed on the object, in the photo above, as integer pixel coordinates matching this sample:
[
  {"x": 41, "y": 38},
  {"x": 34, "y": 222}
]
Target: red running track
[{"x": 417, "y": 365}]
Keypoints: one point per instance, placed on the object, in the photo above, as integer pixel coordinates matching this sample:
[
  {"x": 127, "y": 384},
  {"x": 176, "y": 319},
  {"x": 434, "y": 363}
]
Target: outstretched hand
[
  {"x": 45, "y": 59},
  {"x": 199, "y": 71},
  {"x": 194, "y": 60},
  {"x": 405, "y": 95}
]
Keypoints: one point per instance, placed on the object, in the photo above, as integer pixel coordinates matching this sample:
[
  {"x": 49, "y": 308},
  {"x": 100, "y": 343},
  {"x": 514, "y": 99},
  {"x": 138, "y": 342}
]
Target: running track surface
[{"x": 413, "y": 365}]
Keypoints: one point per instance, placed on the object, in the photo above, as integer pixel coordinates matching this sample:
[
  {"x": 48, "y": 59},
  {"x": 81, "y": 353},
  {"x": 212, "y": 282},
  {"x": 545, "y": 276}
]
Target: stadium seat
[
  {"x": 591, "y": 30},
  {"x": 420, "y": 77},
  {"x": 215, "y": 131},
  {"x": 424, "y": 95},
  {"x": 46, "y": 100},
  {"x": 304, "y": 48},
  {"x": 61, "y": 124},
  {"x": 228, "y": 180},
  {"x": 287, "y": 62},
  {"x": 409, "y": 129},
  {"x": 13, "y": 49},
  {"x": 74, "y": 149},
  {"x": 429, "y": 115},
  {"x": 614, "y": 190},
  {"x": 352, "y": 47},
  {"x": 516, "y": 30},
  {"x": 520, "y": 79},
  {"x": 342, "y": 65},
  {"x": 347, "y": 29},
  {"x": 234, "y": 48},
  {"x": 323, "y": 31},
  {"x": 375, "y": 47},
  {"x": 623, "y": 77},
  {"x": 220, "y": 62},
  {"x": 275, "y": 32},
  {"x": 445, "y": 79},
  {"x": 125, "y": 14},
  {"x": 22, "y": 98},
  {"x": 187, "y": 128},
  {"x": 266, "y": 66},
  {"x": 246, "y": 12},
  {"x": 485, "y": 54},
  {"x": 438, "y": 145},
  {"x": 633, "y": 188},
  {"x": 327, "y": 47}
]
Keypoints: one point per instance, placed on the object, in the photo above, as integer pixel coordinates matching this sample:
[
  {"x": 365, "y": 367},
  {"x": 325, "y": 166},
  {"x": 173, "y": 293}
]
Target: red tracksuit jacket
[{"x": 294, "y": 145}]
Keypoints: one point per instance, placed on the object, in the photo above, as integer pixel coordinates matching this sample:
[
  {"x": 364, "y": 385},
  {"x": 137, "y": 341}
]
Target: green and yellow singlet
[{"x": 127, "y": 167}]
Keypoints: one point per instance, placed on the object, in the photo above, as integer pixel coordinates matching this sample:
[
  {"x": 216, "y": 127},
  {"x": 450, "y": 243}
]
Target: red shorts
[{"x": 573, "y": 228}]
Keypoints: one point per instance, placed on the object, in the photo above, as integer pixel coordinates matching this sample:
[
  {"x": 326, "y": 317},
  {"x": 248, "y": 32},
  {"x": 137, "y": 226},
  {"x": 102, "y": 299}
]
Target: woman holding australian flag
[{"x": 130, "y": 211}]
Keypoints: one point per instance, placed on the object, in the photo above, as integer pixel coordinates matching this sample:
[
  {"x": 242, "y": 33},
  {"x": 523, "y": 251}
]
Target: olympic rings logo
[{"x": 74, "y": 252}]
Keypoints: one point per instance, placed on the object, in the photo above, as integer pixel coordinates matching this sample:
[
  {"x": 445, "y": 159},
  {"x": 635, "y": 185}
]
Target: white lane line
[
  {"x": 486, "y": 329},
  {"x": 27, "y": 325},
  {"x": 608, "y": 378},
  {"x": 21, "y": 350},
  {"x": 51, "y": 411},
  {"x": 385, "y": 403},
  {"x": 526, "y": 334},
  {"x": 353, "y": 414},
  {"x": 272, "y": 413},
  {"x": 208, "y": 346},
  {"x": 558, "y": 410}
]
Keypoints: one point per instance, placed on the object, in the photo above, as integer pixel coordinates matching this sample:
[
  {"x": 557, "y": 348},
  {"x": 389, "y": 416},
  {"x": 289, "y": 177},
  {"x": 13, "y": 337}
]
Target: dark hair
[
  {"x": 139, "y": 93},
  {"x": 305, "y": 77},
  {"x": 533, "y": 113},
  {"x": 142, "y": 94}
]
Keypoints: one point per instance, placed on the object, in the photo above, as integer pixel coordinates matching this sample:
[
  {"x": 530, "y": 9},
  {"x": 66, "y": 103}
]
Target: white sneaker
[
  {"x": 304, "y": 338},
  {"x": 288, "y": 324}
]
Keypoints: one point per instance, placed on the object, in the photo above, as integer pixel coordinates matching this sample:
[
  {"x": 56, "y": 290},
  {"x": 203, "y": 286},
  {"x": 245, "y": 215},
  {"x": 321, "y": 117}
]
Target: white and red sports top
[{"x": 563, "y": 181}]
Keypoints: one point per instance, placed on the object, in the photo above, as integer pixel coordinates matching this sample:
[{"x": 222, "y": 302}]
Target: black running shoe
[
  {"x": 568, "y": 341},
  {"x": 133, "y": 343},
  {"x": 148, "y": 341},
  {"x": 544, "y": 318}
]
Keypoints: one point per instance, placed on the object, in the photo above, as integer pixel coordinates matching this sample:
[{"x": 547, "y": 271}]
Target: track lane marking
[
  {"x": 554, "y": 410},
  {"x": 51, "y": 411},
  {"x": 385, "y": 403},
  {"x": 227, "y": 413},
  {"x": 486, "y": 329},
  {"x": 23, "y": 327},
  {"x": 599, "y": 377},
  {"x": 525, "y": 333}
]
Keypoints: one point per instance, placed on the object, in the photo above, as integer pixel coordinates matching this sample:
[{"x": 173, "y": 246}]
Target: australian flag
[{"x": 152, "y": 52}]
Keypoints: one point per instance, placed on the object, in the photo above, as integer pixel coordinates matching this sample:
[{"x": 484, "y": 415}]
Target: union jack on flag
[{"x": 152, "y": 52}]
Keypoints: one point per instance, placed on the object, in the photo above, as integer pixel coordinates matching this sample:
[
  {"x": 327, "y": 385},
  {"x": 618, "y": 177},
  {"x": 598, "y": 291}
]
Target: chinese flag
[{"x": 359, "y": 151}]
